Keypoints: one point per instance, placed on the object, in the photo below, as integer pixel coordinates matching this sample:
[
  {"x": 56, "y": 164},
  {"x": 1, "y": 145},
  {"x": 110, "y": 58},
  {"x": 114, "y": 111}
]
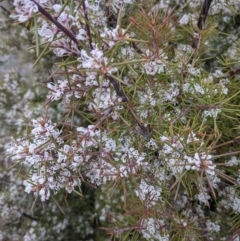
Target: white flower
[
  {"x": 95, "y": 61},
  {"x": 200, "y": 161},
  {"x": 86, "y": 131},
  {"x": 44, "y": 128},
  {"x": 233, "y": 161},
  {"x": 148, "y": 193},
  {"x": 211, "y": 112},
  {"x": 30, "y": 235},
  {"x": 24, "y": 9},
  {"x": 152, "y": 228},
  {"x": 57, "y": 8},
  {"x": 184, "y": 20},
  {"x": 218, "y": 73},
  {"x": 44, "y": 194},
  {"x": 155, "y": 62},
  {"x": 28, "y": 186},
  {"x": 171, "y": 93},
  {"x": 212, "y": 227},
  {"x": 193, "y": 71},
  {"x": 81, "y": 34},
  {"x": 114, "y": 35},
  {"x": 57, "y": 91},
  {"x": 199, "y": 89},
  {"x": 203, "y": 196},
  {"x": 46, "y": 31}
]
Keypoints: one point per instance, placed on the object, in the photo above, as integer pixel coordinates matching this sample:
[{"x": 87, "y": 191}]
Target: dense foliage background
[{"x": 120, "y": 120}]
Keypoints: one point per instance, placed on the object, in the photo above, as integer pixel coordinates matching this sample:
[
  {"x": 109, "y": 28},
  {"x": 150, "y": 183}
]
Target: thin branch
[
  {"x": 138, "y": 50},
  {"x": 104, "y": 117},
  {"x": 121, "y": 94},
  {"x": 232, "y": 73},
  {"x": 204, "y": 13},
  {"x": 144, "y": 130},
  {"x": 29, "y": 216},
  {"x": 6, "y": 11},
  {"x": 118, "y": 89},
  {"x": 87, "y": 25},
  {"x": 202, "y": 19}
]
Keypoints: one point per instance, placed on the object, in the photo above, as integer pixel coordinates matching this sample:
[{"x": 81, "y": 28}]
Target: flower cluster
[{"x": 178, "y": 157}]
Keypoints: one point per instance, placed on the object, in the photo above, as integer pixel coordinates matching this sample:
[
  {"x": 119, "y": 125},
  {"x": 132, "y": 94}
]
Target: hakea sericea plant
[{"x": 159, "y": 115}]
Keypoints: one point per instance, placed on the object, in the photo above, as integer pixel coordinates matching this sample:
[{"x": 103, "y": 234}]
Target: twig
[
  {"x": 232, "y": 73},
  {"x": 204, "y": 13},
  {"x": 144, "y": 130},
  {"x": 138, "y": 50},
  {"x": 5, "y": 10},
  {"x": 29, "y": 216},
  {"x": 202, "y": 19},
  {"x": 104, "y": 117},
  {"x": 118, "y": 89},
  {"x": 121, "y": 94},
  {"x": 87, "y": 25}
]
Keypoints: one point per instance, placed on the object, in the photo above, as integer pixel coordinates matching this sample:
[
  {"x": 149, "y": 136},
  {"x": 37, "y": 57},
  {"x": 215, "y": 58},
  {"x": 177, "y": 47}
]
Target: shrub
[{"x": 148, "y": 119}]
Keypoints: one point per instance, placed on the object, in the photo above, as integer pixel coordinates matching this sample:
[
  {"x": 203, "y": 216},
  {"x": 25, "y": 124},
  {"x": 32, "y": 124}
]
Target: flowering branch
[{"x": 53, "y": 20}]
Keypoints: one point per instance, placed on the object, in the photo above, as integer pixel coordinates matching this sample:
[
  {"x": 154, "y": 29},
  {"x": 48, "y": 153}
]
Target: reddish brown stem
[{"x": 87, "y": 25}]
